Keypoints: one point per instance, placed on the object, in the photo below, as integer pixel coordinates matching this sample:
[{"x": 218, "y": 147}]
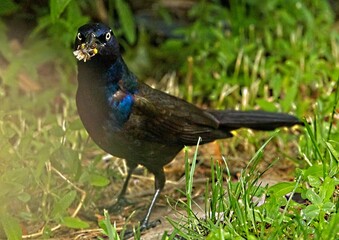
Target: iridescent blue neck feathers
[{"x": 121, "y": 85}]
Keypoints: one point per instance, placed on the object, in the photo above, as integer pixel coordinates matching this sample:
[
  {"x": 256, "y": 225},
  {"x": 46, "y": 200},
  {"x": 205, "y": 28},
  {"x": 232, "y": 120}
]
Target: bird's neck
[
  {"x": 110, "y": 88},
  {"x": 99, "y": 73},
  {"x": 119, "y": 75}
]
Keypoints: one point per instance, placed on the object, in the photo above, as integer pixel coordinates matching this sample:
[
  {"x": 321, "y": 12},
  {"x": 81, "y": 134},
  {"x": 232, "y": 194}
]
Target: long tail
[{"x": 258, "y": 120}]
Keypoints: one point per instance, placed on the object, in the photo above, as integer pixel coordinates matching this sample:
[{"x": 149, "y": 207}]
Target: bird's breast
[{"x": 120, "y": 104}]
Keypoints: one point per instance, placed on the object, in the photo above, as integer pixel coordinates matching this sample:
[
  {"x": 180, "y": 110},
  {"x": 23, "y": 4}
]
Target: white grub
[{"x": 84, "y": 52}]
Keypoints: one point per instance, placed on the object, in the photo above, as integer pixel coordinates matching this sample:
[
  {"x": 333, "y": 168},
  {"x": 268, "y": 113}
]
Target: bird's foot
[
  {"x": 119, "y": 205},
  {"x": 147, "y": 225},
  {"x": 144, "y": 225}
]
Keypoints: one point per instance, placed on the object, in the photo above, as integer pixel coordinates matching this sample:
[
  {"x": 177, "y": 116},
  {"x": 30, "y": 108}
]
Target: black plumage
[{"x": 131, "y": 120}]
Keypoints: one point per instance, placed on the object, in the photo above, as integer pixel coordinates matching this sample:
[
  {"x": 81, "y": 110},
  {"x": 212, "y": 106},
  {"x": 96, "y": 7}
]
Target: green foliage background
[{"x": 275, "y": 55}]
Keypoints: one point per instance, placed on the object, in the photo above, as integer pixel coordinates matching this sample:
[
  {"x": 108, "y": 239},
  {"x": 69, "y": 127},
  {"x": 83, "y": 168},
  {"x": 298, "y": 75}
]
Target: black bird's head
[{"x": 96, "y": 39}]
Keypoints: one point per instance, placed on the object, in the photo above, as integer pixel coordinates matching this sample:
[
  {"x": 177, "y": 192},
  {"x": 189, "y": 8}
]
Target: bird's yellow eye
[
  {"x": 108, "y": 36},
  {"x": 79, "y": 36}
]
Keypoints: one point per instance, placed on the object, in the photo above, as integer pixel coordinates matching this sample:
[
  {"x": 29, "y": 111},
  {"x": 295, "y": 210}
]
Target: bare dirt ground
[
  {"x": 238, "y": 152},
  {"x": 282, "y": 171}
]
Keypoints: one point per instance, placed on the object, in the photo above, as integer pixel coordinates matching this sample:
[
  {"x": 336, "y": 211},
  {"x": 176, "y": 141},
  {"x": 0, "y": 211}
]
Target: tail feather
[{"x": 258, "y": 120}]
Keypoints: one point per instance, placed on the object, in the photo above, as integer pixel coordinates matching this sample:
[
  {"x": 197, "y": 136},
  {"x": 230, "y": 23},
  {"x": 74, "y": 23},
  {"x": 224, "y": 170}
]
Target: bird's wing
[{"x": 165, "y": 116}]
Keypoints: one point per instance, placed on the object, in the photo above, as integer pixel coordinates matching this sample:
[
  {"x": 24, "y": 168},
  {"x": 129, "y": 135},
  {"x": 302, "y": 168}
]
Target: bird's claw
[
  {"x": 147, "y": 225},
  {"x": 144, "y": 225},
  {"x": 119, "y": 205}
]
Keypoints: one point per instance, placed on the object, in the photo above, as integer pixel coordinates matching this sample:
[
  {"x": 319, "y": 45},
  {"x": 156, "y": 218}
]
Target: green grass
[
  {"x": 277, "y": 55},
  {"x": 247, "y": 210}
]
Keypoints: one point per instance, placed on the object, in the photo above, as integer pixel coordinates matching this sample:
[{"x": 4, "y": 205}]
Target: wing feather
[{"x": 174, "y": 120}]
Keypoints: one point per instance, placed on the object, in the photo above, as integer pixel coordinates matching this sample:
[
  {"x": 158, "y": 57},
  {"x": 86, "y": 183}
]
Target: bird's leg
[
  {"x": 122, "y": 201},
  {"x": 159, "y": 182}
]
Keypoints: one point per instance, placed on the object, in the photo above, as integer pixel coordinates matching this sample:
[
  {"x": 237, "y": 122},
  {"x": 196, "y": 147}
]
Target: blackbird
[{"x": 145, "y": 126}]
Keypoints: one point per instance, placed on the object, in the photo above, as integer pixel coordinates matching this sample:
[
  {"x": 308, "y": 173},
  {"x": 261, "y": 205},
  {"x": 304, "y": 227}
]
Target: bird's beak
[{"x": 87, "y": 50}]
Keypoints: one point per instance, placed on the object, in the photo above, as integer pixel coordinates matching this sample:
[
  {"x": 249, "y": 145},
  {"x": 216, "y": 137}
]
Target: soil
[{"x": 141, "y": 186}]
